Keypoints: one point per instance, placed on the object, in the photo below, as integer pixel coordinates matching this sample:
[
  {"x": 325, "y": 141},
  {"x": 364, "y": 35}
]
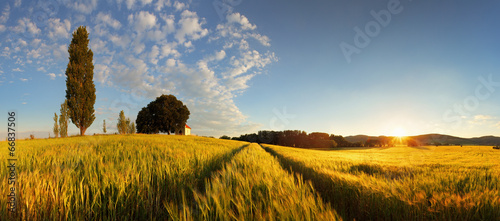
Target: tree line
[
  {"x": 301, "y": 139},
  {"x": 297, "y": 138}
]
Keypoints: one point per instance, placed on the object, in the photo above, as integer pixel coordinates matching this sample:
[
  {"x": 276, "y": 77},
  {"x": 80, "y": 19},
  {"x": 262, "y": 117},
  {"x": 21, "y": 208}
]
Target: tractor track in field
[
  {"x": 325, "y": 187},
  {"x": 216, "y": 164},
  {"x": 205, "y": 176},
  {"x": 335, "y": 192},
  {"x": 307, "y": 173}
]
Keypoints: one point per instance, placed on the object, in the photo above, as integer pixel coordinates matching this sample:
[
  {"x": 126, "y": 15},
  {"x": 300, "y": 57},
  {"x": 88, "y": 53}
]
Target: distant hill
[{"x": 437, "y": 138}]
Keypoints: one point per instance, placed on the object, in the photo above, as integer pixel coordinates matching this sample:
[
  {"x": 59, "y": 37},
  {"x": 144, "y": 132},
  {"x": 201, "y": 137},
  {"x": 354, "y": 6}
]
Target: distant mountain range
[{"x": 430, "y": 139}]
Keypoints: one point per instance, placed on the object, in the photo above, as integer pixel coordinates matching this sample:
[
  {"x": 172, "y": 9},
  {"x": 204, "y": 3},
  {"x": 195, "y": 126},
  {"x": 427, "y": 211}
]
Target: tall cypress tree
[{"x": 80, "y": 88}]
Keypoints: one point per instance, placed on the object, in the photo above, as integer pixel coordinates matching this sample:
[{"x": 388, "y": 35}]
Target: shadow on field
[
  {"x": 181, "y": 195},
  {"x": 214, "y": 165},
  {"x": 352, "y": 200}
]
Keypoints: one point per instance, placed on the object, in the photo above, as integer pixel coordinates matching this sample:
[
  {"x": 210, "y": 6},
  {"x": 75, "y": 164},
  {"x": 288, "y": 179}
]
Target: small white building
[{"x": 184, "y": 131}]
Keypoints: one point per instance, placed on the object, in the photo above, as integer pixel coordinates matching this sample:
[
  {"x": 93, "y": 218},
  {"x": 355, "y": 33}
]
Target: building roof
[{"x": 188, "y": 126}]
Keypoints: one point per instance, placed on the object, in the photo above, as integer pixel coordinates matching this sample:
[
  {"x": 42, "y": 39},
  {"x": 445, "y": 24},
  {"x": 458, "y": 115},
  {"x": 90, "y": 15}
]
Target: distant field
[
  {"x": 403, "y": 183},
  {"x": 158, "y": 177}
]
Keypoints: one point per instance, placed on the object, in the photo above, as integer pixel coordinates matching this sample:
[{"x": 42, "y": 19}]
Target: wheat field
[
  {"x": 402, "y": 183},
  {"x": 160, "y": 177},
  {"x": 154, "y": 177}
]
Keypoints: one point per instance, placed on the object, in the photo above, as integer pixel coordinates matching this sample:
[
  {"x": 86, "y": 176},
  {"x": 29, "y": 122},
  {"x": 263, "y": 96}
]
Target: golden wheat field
[
  {"x": 160, "y": 177},
  {"x": 402, "y": 183}
]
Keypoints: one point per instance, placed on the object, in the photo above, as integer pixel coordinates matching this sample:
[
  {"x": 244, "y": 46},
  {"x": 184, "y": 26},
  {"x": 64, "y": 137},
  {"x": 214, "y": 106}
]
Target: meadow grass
[
  {"x": 155, "y": 177},
  {"x": 125, "y": 177},
  {"x": 253, "y": 186},
  {"x": 402, "y": 183},
  {"x": 159, "y": 177}
]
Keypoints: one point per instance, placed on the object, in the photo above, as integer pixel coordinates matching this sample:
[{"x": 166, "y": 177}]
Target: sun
[{"x": 399, "y": 132}]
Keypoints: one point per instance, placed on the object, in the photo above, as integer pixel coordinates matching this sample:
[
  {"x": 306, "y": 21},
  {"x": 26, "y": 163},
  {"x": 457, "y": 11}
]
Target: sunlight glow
[{"x": 399, "y": 132}]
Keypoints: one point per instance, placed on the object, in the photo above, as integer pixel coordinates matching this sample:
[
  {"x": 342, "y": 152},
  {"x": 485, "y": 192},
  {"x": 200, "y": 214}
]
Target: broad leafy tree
[
  {"x": 145, "y": 122},
  {"x": 166, "y": 114},
  {"x": 80, "y": 88}
]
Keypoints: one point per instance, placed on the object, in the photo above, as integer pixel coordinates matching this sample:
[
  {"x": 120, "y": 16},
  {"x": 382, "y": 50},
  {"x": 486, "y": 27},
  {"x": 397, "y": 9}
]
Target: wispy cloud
[
  {"x": 483, "y": 117},
  {"x": 52, "y": 76},
  {"x": 153, "y": 48}
]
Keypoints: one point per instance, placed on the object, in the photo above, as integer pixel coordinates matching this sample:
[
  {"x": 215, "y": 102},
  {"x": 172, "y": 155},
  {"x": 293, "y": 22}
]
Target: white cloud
[
  {"x": 23, "y": 79},
  {"x": 2, "y": 28},
  {"x": 142, "y": 21},
  {"x": 218, "y": 116},
  {"x": 249, "y": 60},
  {"x": 239, "y": 28},
  {"x": 162, "y": 3},
  {"x": 98, "y": 46},
  {"x": 59, "y": 29},
  {"x": 170, "y": 62},
  {"x": 146, "y": 2},
  {"x": 78, "y": 18},
  {"x": 188, "y": 44},
  {"x": 6, "y": 52},
  {"x": 240, "y": 19},
  {"x": 5, "y": 14},
  {"x": 120, "y": 41},
  {"x": 102, "y": 73},
  {"x": 17, "y": 3},
  {"x": 130, "y": 4},
  {"x": 220, "y": 55},
  {"x": 264, "y": 40},
  {"x": 17, "y": 70},
  {"x": 239, "y": 83},
  {"x": 483, "y": 117},
  {"x": 22, "y": 42},
  {"x": 135, "y": 78},
  {"x": 169, "y": 23},
  {"x": 158, "y": 33},
  {"x": 138, "y": 47},
  {"x": 179, "y": 6},
  {"x": 83, "y": 6},
  {"x": 59, "y": 51},
  {"x": 483, "y": 120},
  {"x": 169, "y": 49},
  {"x": 153, "y": 56},
  {"x": 190, "y": 27},
  {"x": 52, "y": 76},
  {"x": 106, "y": 19},
  {"x": 26, "y": 26}
]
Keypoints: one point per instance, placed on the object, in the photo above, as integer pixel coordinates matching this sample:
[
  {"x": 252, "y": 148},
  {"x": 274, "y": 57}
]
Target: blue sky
[{"x": 242, "y": 66}]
